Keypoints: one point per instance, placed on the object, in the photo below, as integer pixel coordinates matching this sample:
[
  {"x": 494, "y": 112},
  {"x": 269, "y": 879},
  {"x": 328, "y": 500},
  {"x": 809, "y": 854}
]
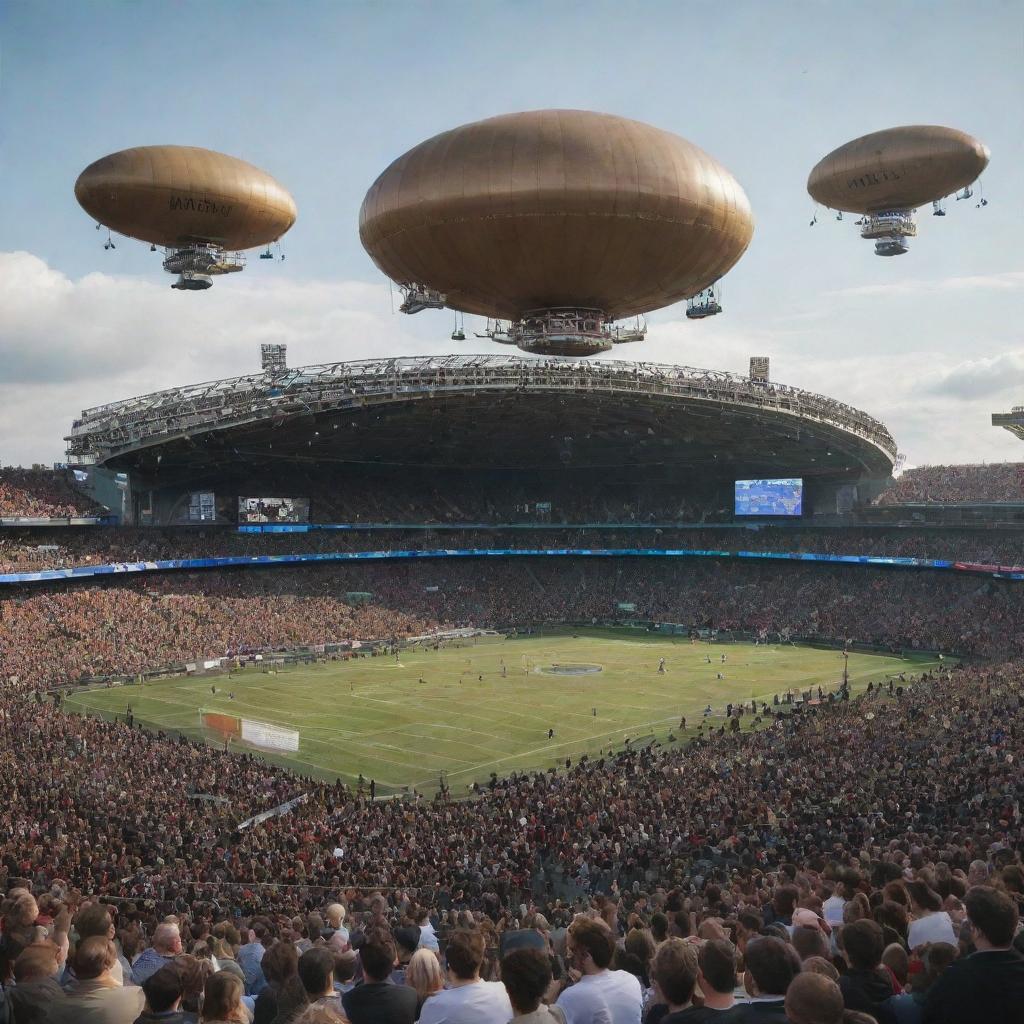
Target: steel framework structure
[{"x": 120, "y": 428}]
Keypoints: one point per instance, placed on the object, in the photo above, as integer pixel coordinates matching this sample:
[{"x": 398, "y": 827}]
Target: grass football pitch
[{"x": 487, "y": 705}]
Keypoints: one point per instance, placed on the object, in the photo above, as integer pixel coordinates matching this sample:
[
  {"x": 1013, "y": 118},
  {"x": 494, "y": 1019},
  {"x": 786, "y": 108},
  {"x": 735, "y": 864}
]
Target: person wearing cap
[{"x": 407, "y": 940}]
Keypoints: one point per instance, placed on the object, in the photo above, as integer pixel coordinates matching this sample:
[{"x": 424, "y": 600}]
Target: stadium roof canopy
[
  {"x": 466, "y": 411},
  {"x": 1011, "y": 421}
]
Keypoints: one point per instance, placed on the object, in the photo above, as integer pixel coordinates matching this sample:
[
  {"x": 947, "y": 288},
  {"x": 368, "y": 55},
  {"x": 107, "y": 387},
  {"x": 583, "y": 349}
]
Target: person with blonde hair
[
  {"x": 222, "y": 1000},
  {"x": 334, "y": 916},
  {"x": 424, "y": 976}
]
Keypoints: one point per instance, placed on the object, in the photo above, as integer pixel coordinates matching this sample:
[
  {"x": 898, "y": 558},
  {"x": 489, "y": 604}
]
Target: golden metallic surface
[
  {"x": 176, "y": 195},
  {"x": 897, "y": 169},
  {"x": 556, "y": 208}
]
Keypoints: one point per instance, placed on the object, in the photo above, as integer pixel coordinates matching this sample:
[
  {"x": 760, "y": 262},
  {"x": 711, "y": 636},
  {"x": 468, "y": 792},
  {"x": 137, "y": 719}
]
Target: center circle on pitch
[{"x": 572, "y": 669}]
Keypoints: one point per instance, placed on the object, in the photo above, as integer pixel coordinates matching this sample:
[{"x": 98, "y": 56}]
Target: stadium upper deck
[{"x": 485, "y": 411}]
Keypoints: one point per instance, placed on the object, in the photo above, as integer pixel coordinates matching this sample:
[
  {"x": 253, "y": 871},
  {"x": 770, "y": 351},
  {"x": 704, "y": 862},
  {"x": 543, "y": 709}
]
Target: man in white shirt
[
  {"x": 428, "y": 937},
  {"x": 832, "y": 909},
  {"x": 599, "y": 996},
  {"x": 468, "y": 999}
]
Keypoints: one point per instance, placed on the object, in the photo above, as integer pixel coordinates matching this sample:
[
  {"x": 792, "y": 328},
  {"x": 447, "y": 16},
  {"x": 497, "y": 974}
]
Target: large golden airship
[
  {"x": 885, "y": 176},
  {"x": 204, "y": 208},
  {"x": 558, "y": 221}
]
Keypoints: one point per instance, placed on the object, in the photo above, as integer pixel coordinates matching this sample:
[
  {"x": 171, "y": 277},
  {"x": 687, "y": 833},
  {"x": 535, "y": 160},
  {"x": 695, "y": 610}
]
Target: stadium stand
[
  {"x": 62, "y": 635},
  {"x": 41, "y": 493},
  {"x": 969, "y": 484}
]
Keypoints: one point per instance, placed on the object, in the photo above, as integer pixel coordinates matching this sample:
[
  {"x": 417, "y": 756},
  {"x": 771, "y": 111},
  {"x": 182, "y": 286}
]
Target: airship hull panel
[
  {"x": 556, "y": 208},
  {"x": 897, "y": 169},
  {"x": 176, "y": 196}
]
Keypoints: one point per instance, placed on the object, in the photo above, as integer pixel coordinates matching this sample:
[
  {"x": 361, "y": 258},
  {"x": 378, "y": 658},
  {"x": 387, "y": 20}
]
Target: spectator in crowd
[
  {"x": 716, "y": 981},
  {"x": 599, "y": 994},
  {"x": 407, "y": 940},
  {"x": 813, "y": 999},
  {"x": 316, "y": 972},
  {"x": 424, "y": 976},
  {"x": 526, "y": 975},
  {"x": 468, "y": 999},
  {"x": 335, "y": 931},
  {"x": 867, "y": 986},
  {"x": 771, "y": 965},
  {"x": 222, "y": 1000},
  {"x": 97, "y": 919},
  {"x": 164, "y": 990},
  {"x": 428, "y": 936},
  {"x": 36, "y": 990},
  {"x": 250, "y": 956},
  {"x": 377, "y": 1000},
  {"x": 280, "y": 968},
  {"x": 674, "y": 973},
  {"x": 988, "y": 985},
  {"x": 930, "y": 922},
  {"x": 166, "y": 946},
  {"x": 94, "y": 997}
]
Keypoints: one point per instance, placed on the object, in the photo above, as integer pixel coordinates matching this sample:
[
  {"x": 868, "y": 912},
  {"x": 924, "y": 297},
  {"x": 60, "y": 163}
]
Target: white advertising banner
[{"x": 269, "y": 737}]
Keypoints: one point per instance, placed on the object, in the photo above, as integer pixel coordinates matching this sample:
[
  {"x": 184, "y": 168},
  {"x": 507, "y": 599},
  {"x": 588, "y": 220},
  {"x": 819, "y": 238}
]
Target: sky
[{"x": 325, "y": 95}]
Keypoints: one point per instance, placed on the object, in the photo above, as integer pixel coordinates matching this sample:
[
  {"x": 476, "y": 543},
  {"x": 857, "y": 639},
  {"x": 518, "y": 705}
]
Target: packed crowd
[
  {"x": 65, "y": 636},
  {"x": 30, "y": 549},
  {"x": 42, "y": 493},
  {"x": 861, "y": 856},
  {"x": 999, "y": 482},
  {"x": 54, "y": 636}
]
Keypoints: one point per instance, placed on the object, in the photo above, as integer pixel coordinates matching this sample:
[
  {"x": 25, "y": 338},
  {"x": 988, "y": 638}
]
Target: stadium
[
  {"x": 481, "y": 688},
  {"x": 474, "y": 415}
]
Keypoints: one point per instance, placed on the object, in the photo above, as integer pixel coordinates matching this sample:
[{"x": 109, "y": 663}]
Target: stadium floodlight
[
  {"x": 758, "y": 369},
  {"x": 273, "y": 359}
]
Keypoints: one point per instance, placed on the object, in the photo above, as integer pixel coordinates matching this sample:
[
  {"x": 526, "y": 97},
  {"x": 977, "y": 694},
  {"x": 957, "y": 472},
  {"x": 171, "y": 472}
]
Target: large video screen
[
  {"x": 273, "y": 510},
  {"x": 770, "y": 497}
]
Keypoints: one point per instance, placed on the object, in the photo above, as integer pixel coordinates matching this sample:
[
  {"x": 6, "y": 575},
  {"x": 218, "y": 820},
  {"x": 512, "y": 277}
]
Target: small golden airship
[
  {"x": 887, "y": 175},
  {"x": 204, "y": 208}
]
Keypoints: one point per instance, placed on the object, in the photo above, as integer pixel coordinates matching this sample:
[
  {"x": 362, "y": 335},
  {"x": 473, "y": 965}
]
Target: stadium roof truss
[{"x": 491, "y": 411}]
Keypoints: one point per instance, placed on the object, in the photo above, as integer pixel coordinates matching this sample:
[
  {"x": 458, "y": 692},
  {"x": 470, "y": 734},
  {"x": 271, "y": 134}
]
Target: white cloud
[
  {"x": 67, "y": 344},
  {"x": 1010, "y": 280},
  {"x": 983, "y": 378}
]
